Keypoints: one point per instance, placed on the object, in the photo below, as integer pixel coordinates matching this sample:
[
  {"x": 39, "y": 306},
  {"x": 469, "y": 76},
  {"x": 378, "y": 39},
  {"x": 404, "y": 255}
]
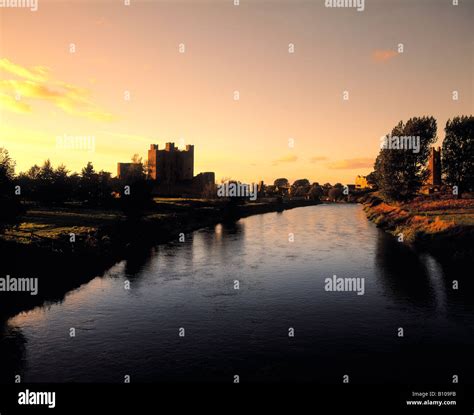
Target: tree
[
  {"x": 400, "y": 173},
  {"x": 88, "y": 173},
  {"x": 372, "y": 179},
  {"x": 104, "y": 187},
  {"x": 138, "y": 170},
  {"x": 48, "y": 185},
  {"x": 34, "y": 172},
  {"x": 335, "y": 194},
  {"x": 61, "y": 183},
  {"x": 300, "y": 188},
  {"x": 7, "y": 167},
  {"x": 9, "y": 202},
  {"x": 282, "y": 186},
  {"x": 89, "y": 185},
  {"x": 44, "y": 184},
  {"x": 95, "y": 188},
  {"x": 282, "y": 182},
  {"x": 326, "y": 188},
  {"x": 315, "y": 192},
  {"x": 136, "y": 191},
  {"x": 458, "y": 153},
  {"x": 46, "y": 171}
]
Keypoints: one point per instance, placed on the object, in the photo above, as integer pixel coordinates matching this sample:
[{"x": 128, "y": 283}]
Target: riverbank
[
  {"x": 99, "y": 233},
  {"x": 191, "y": 285},
  {"x": 442, "y": 226},
  {"x": 67, "y": 247}
]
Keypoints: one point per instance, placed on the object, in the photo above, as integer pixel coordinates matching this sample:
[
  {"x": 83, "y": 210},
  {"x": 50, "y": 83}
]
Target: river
[{"x": 279, "y": 262}]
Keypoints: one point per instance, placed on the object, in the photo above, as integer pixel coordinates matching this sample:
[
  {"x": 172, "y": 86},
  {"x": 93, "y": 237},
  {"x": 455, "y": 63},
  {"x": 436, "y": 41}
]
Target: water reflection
[
  {"x": 190, "y": 284},
  {"x": 402, "y": 272}
]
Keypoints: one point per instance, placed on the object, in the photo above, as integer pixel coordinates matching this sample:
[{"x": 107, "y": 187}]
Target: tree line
[
  {"x": 400, "y": 174},
  {"x": 50, "y": 186}
]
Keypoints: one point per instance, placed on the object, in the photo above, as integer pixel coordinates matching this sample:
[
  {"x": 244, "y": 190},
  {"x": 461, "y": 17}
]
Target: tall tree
[
  {"x": 7, "y": 167},
  {"x": 401, "y": 172},
  {"x": 9, "y": 202},
  {"x": 458, "y": 153},
  {"x": 88, "y": 184}
]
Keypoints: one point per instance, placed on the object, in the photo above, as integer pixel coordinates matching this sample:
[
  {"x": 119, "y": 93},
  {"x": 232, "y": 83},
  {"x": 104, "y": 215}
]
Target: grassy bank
[
  {"x": 76, "y": 231},
  {"x": 102, "y": 238},
  {"x": 441, "y": 225}
]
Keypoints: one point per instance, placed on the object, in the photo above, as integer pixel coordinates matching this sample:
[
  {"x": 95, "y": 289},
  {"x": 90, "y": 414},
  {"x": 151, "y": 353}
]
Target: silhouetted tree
[
  {"x": 300, "y": 188},
  {"x": 372, "y": 179},
  {"x": 9, "y": 200},
  {"x": 315, "y": 192},
  {"x": 401, "y": 173},
  {"x": 89, "y": 185},
  {"x": 47, "y": 184},
  {"x": 282, "y": 186},
  {"x": 95, "y": 188},
  {"x": 135, "y": 189},
  {"x": 282, "y": 182},
  {"x": 458, "y": 153},
  {"x": 326, "y": 188},
  {"x": 336, "y": 193}
]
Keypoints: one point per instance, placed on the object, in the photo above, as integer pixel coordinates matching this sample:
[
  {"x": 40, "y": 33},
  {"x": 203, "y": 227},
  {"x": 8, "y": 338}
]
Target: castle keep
[
  {"x": 170, "y": 165},
  {"x": 171, "y": 170}
]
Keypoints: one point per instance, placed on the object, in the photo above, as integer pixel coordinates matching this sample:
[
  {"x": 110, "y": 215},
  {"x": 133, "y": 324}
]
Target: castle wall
[{"x": 171, "y": 165}]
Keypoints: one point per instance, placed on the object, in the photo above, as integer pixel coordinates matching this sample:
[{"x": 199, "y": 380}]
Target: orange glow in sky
[{"x": 159, "y": 71}]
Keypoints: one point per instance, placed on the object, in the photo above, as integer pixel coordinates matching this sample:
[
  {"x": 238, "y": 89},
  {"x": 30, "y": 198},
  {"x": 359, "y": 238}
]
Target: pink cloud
[{"x": 383, "y": 55}]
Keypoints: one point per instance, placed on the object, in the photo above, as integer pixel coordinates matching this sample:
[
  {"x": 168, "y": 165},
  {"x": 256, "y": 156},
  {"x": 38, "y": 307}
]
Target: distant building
[
  {"x": 172, "y": 172},
  {"x": 203, "y": 180},
  {"x": 361, "y": 182},
  {"x": 433, "y": 182},
  {"x": 125, "y": 170},
  {"x": 434, "y": 167},
  {"x": 170, "y": 165},
  {"x": 261, "y": 188}
]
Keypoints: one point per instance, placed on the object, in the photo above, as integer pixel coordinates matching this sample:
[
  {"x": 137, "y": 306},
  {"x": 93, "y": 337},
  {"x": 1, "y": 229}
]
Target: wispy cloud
[
  {"x": 36, "y": 84},
  {"x": 349, "y": 164},
  {"x": 383, "y": 55},
  {"x": 315, "y": 159},
  {"x": 36, "y": 73},
  {"x": 291, "y": 158},
  {"x": 11, "y": 104}
]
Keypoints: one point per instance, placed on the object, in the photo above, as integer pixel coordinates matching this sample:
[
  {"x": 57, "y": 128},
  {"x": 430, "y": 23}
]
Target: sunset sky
[{"x": 46, "y": 91}]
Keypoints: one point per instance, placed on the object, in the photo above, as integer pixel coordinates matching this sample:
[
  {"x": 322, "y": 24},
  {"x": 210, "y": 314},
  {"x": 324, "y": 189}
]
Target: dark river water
[{"x": 245, "y": 331}]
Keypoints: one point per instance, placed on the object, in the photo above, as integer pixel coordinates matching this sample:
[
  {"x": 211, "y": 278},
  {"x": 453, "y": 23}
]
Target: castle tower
[
  {"x": 187, "y": 167},
  {"x": 170, "y": 165},
  {"x": 434, "y": 167},
  {"x": 152, "y": 161}
]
